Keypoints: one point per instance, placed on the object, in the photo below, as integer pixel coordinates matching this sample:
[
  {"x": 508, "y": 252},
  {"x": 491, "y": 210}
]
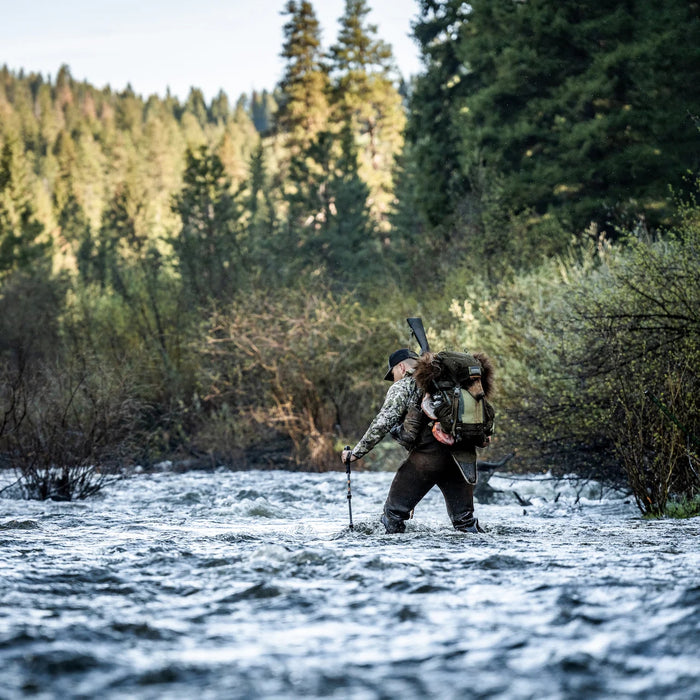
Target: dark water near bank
[{"x": 250, "y": 585}]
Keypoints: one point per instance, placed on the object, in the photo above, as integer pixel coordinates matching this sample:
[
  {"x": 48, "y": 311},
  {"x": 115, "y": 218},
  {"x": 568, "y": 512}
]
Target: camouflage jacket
[{"x": 400, "y": 396}]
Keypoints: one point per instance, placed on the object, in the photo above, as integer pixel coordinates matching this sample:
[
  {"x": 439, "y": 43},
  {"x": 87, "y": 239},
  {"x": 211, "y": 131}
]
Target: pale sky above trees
[{"x": 229, "y": 45}]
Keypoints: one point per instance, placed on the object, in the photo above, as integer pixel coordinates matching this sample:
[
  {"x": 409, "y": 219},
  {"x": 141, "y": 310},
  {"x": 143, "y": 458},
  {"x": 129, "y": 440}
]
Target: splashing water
[{"x": 251, "y": 585}]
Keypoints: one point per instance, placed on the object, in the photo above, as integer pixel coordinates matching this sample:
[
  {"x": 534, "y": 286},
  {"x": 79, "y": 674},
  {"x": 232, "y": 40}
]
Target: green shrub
[
  {"x": 637, "y": 318},
  {"x": 683, "y": 507}
]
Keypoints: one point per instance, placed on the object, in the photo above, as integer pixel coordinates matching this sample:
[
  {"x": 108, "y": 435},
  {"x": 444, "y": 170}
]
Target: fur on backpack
[{"x": 457, "y": 387}]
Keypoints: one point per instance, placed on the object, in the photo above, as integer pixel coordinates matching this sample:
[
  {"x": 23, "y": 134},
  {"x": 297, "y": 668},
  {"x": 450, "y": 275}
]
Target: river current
[{"x": 251, "y": 585}]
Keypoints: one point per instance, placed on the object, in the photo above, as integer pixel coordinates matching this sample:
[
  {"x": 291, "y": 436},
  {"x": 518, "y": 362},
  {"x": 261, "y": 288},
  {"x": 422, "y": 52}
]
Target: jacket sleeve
[{"x": 390, "y": 414}]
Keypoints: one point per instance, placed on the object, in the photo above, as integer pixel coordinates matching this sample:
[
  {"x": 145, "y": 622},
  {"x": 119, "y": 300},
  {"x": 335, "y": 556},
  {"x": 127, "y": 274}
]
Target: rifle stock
[{"x": 416, "y": 325}]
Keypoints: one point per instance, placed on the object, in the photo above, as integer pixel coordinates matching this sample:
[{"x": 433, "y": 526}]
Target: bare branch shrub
[
  {"x": 655, "y": 452},
  {"x": 64, "y": 429},
  {"x": 289, "y": 368},
  {"x": 639, "y": 354}
]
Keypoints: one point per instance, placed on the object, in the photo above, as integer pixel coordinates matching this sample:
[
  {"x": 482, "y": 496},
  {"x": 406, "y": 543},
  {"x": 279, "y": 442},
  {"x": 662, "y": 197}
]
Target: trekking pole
[{"x": 347, "y": 471}]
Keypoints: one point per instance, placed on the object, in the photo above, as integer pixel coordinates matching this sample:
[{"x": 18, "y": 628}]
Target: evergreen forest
[{"x": 221, "y": 283}]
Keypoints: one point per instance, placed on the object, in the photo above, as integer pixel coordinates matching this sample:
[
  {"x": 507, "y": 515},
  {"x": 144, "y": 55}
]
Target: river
[{"x": 251, "y": 585}]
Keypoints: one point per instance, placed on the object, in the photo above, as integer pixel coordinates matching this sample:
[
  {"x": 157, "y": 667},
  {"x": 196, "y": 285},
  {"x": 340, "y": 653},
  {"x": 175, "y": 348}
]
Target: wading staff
[{"x": 347, "y": 471}]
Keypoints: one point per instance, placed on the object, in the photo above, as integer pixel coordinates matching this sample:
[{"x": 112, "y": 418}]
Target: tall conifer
[
  {"x": 207, "y": 247},
  {"x": 303, "y": 105},
  {"x": 351, "y": 247},
  {"x": 433, "y": 120},
  {"x": 574, "y": 111},
  {"x": 365, "y": 97},
  {"x": 22, "y": 245}
]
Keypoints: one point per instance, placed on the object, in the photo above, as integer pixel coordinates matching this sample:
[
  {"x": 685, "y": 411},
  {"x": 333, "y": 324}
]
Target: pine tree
[
  {"x": 330, "y": 217},
  {"x": 31, "y": 297},
  {"x": 262, "y": 111},
  {"x": 239, "y": 141},
  {"x": 308, "y": 203},
  {"x": 264, "y": 250},
  {"x": 303, "y": 102},
  {"x": 157, "y": 171},
  {"x": 220, "y": 108},
  {"x": 23, "y": 107},
  {"x": 46, "y": 116},
  {"x": 572, "y": 111},
  {"x": 126, "y": 261},
  {"x": 129, "y": 113},
  {"x": 65, "y": 100},
  {"x": 259, "y": 204},
  {"x": 73, "y": 223},
  {"x": 22, "y": 246},
  {"x": 432, "y": 128},
  {"x": 207, "y": 247},
  {"x": 197, "y": 106},
  {"x": 120, "y": 244},
  {"x": 364, "y": 96},
  {"x": 408, "y": 246},
  {"x": 350, "y": 245},
  {"x": 64, "y": 185}
]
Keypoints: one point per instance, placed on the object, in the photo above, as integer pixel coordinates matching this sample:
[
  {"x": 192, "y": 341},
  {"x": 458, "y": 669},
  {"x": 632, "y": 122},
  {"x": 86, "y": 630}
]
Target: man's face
[{"x": 397, "y": 371}]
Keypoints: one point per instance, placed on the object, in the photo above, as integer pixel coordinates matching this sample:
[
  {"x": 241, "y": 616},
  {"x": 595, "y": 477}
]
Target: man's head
[{"x": 400, "y": 361}]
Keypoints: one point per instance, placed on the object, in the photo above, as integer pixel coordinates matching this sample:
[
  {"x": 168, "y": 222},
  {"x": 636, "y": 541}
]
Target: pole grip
[{"x": 347, "y": 469}]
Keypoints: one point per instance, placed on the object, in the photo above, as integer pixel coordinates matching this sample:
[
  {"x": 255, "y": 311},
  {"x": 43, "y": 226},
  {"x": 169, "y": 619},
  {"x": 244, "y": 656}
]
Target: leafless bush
[
  {"x": 288, "y": 368},
  {"x": 658, "y": 456},
  {"x": 64, "y": 429}
]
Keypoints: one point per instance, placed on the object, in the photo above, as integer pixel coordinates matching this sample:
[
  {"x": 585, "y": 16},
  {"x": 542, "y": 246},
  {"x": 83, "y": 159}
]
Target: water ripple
[{"x": 242, "y": 585}]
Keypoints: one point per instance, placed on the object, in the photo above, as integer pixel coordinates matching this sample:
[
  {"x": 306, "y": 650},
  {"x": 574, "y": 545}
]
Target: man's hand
[{"x": 347, "y": 454}]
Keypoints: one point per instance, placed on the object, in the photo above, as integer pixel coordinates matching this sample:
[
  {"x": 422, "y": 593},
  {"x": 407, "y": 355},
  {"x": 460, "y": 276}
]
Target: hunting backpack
[{"x": 456, "y": 387}]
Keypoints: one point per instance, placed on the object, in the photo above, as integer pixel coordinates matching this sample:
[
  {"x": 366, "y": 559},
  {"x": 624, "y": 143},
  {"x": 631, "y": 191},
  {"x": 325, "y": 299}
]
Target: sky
[{"x": 153, "y": 45}]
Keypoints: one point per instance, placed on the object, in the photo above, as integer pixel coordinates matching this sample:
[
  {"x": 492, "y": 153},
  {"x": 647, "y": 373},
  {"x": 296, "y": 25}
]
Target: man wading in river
[{"x": 429, "y": 462}]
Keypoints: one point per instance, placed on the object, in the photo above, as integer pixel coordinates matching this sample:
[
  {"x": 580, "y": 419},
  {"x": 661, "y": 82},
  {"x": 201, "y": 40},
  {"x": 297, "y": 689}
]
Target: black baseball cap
[{"x": 399, "y": 356}]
